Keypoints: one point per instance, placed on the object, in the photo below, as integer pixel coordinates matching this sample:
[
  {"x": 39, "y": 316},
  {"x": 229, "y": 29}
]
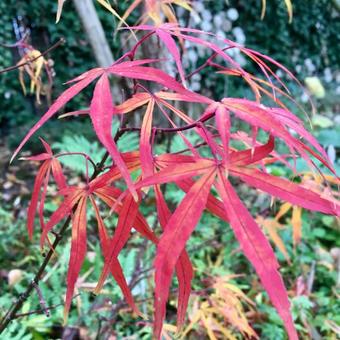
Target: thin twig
[
  {"x": 14, "y": 67},
  {"x": 173, "y": 130},
  {"x": 42, "y": 301},
  {"x": 41, "y": 311}
]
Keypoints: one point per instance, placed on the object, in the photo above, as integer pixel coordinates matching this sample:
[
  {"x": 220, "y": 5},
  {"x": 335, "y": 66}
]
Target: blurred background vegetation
[{"x": 309, "y": 46}]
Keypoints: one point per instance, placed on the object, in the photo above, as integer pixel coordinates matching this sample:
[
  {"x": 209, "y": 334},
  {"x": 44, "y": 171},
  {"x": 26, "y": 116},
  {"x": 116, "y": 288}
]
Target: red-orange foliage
[{"x": 190, "y": 171}]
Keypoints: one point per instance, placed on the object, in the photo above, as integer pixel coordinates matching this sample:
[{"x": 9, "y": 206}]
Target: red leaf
[
  {"x": 223, "y": 126},
  {"x": 78, "y": 251},
  {"x": 276, "y": 121},
  {"x": 171, "y": 244},
  {"x": 249, "y": 156},
  {"x": 132, "y": 161},
  {"x": 116, "y": 269},
  {"x": 126, "y": 218},
  {"x": 42, "y": 199},
  {"x": 167, "y": 159},
  {"x": 293, "y": 122},
  {"x": 184, "y": 270},
  {"x": 32, "y": 208},
  {"x": 192, "y": 98},
  {"x": 214, "y": 205},
  {"x": 63, "y": 210},
  {"x": 58, "y": 174},
  {"x": 146, "y": 157},
  {"x": 178, "y": 172},
  {"x": 41, "y": 157},
  {"x": 286, "y": 190},
  {"x": 157, "y": 76},
  {"x": 57, "y": 105},
  {"x": 109, "y": 195},
  {"x": 46, "y": 146},
  {"x": 133, "y": 103},
  {"x": 258, "y": 251},
  {"x": 173, "y": 49},
  {"x": 101, "y": 115},
  {"x": 259, "y": 116},
  {"x": 318, "y": 157}
]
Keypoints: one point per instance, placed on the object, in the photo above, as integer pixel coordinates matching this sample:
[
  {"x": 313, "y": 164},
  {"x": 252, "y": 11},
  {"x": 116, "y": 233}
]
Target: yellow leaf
[
  {"x": 59, "y": 10},
  {"x": 170, "y": 328},
  {"x": 228, "y": 335},
  {"x": 271, "y": 226},
  {"x": 289, "y": 9},
  {"x": 107, "y": 5},
  {"x": 207, "y": 325},
  {"x": 289, "y": 6},
  {"x": 169, "y": 14},
  {"x": 297, "y": 224},
  {"x": 193, "y": 322},
  {"x": 37, "y": 66},
  {"x": 33, "y": 70},
  {"x": 283, "y": 210},
  {"x": 21, "y": 80},
  {"x": 157, "y": 10},
  {"x": 183, "y": 3},
  {"x": 263, "y": 10},
  {"x": 227, "y": 301}
]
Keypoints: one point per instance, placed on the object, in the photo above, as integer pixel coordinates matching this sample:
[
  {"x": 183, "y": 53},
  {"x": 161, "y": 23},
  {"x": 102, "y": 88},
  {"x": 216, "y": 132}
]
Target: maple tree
[{"x": 206, "y": 180}]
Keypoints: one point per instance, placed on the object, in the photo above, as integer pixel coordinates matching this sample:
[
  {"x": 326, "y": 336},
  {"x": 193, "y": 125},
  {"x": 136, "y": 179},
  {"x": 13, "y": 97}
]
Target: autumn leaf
[
  {"x": 58, "y": 104},
  {"x": 122, "y": 233},
  {"x": 115, "y": 269},
  {"x": 59, "y": 10},
  {"x": 289, "y": 7},
  {"x": 100, "y": 113},
  {"x": 78, "y": 251},
  {"x": 173, "y": 239},
  {"x": 41, "y": 181},
  {"x": 184, "y": 270},
  {"x": 258, "y": 251}
]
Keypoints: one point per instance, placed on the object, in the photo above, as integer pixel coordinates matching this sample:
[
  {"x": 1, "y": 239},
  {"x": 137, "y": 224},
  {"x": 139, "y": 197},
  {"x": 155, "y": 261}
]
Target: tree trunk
[{"x": 94, "y": 31}]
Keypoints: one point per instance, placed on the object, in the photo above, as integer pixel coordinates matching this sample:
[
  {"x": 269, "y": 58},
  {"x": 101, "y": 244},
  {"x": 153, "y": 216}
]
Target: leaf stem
[
  {"x": 88, "y": 158},
  {"x": 173, "y": 130}
]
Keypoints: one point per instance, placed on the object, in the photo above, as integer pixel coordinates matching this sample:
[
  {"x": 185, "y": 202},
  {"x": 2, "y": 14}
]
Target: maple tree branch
[
  {"x": 173, "y": 130},
  {"x": 16, "y": 306},
  {"x": 208, "y": 62},
  {"x": 19, "y": 43},
  {"x": 42, "y": 310},
  {"x": 14, "y": 67}
]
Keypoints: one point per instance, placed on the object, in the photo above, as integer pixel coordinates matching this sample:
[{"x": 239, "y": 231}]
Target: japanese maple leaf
[
  {"x": 75, "y": 205},
  {"x": 184, "y": 271},
  {"x": 161, "y": 100},
  {"x": 50, "y": 163},
  {"x": 102, "y": 104},
  {"x": 182, "y": 170},
  {"x": 157, "y": 10},
  {"x": 199, "y": 37},
  {"x": 276, "y": 121}
]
